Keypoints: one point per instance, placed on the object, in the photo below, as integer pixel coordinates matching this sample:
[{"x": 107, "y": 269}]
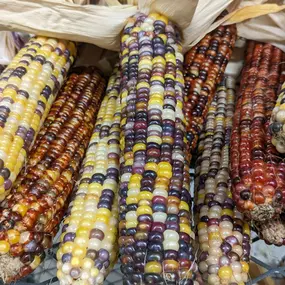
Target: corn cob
[
  {"x": 29, "y": 216},
  {"x": 27, "y": 89},
  {"x": 88, "y": 248},
  {"x": 204, "y": 67},
  {"x": 155, "y": 218},
  {"x": 224, "y": 237},
  {"x": 257, "y": 171},
  {"x": 277, "y": 127}
]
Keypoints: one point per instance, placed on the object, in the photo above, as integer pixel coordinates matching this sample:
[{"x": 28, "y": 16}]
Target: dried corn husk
[
  {"x": 94, "y": 24},
  {"x": 85, "y": 23},
  {"x": 261, "y": 22},
  {"x": 101, "y": 24}
]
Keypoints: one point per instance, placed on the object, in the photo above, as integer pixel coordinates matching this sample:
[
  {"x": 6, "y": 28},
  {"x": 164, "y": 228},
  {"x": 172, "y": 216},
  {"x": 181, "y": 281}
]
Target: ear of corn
[
  {"x": 155, "y": 218},
  {"x": 257, "y": 171},
  {"x": 204, "y": 67},
  {"x": 224, "y": 238},
  {"x": 27, "y": 89},
  {"x": 88, "y": 248},
  {"x": 30, "y": 215}
]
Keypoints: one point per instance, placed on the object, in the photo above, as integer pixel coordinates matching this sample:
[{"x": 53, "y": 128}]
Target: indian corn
[
  {"x": 257, "y": 170},
  {"x": 155, "y": 204},
  {"x": 224, "y": 237},
  {"x": 88, "y": 244},
  {"x": 28, "y": 87},
  {"x": 31, "y": 213},
  {"x": 204, "y": 67}
]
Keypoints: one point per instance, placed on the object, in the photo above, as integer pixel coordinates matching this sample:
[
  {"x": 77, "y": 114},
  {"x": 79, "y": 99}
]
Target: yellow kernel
[
  {"x": 225, "y": 272},
  {"x": 135, "y": 178},
  {"x": 144, "y": 210},
  {"x": 245, "y": 266},
  {"x": 104, "y": 211},
  {"x": 153, "y": 267},
  {"x": 131, "y": 200},
  {"x": 183, "y": 206},
  {"x": 214, "y": 235},
  {"x": 4, "y": 247},
  {"x": 87, "y": 263},
  {"x": 159, "y": 59},
  {"x": 13, "y": 236},
  {"x": 36, "y": 262},
  {"x": 145, "y": 195},
  {"x": 202, "y": 225},
  {"x": 227, "y": 212},
  {"x": 164, "y": 170},
  {"x": 102, "y": 218},
  {"x": 79, "y": 251},
  {"x": 156, "y": 101},
  {"x": 139, "y": 146},
  {"x": 246, "y": 229},
  {"x": 185, "y": 229},
  {"x": 131, "y": 224},
  {"x": 67, "y": 247},
  {"x": 82, "y": 231},
  {"x": 75, "y": 261},
  {"x": 94, "y": 272},
  {"x": 2, "y": 180},
  {"x": 151, "y": 166},
  {"x": 21, "y": 209}
]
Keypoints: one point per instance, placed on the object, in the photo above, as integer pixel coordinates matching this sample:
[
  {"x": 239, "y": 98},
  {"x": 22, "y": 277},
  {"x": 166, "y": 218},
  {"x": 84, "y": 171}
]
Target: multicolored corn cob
[
  {"x": 89, "y": 240},
  {"x": 155, "y": 204},
  {"x": 224, "y": 237},
  {"x": 257, "y": 170},
  {"x": 204, "y": 67},
  {"x": 31, "y": 213},
  {"x": 27, "y": 89}
]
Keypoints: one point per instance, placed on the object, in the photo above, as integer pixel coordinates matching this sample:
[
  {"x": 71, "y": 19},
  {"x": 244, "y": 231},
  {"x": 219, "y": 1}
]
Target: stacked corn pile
[
  {"x": 155, "y": 218},
  {"x": 257, "y": 170},
  {"x": 204, "y": 67},
  {"x": 88, "y": 243},
  {"x": 29, "y": 216},
  {"x": 224, "y": 237},
  {"x": 28, "y": 87}
]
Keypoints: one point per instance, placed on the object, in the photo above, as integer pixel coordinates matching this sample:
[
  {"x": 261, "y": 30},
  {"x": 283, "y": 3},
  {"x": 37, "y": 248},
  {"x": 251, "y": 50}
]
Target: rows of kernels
[
  {"x": 35, "y": 207},
  {"x": 204, "y": 66},
  {"x": 88, "y": 242},
  {"x": 256, "y": 169},
  {"x": 155, "y": 218},
  {"x": 277, "y": 118},
  {"x": 223, "y": 235},
  {"x": 28, "y": 88}
]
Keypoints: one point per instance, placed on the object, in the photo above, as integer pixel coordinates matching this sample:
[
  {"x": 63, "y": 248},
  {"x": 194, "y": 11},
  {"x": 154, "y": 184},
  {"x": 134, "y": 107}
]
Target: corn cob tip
[
  {"x": 262, "y": 213},
  {"x": 9, "y": 266},
  {"x": 273, "y": 231}
]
